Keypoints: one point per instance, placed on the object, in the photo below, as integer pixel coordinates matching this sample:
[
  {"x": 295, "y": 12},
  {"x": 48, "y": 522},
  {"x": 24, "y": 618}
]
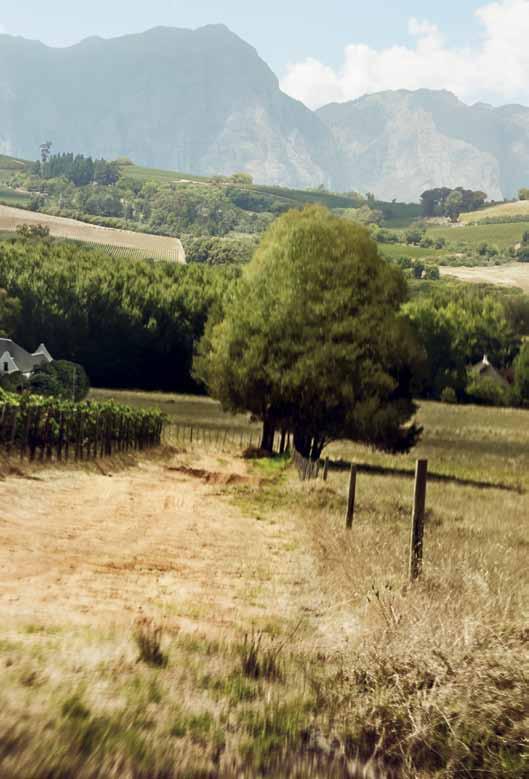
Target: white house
[{"x": 14, "y": 359}]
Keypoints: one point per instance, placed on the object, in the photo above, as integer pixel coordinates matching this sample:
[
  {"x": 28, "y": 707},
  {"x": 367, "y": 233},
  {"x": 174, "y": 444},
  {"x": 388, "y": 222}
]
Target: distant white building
[{"x": 15, "y": 359}]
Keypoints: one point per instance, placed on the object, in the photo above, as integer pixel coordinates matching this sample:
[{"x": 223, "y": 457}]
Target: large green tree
[
  {"x": 9, "y": 313},
  {"x": 457, "y": 326},
  {"x": 312, "y": 339},
  {"x": 521, "y": 376}
]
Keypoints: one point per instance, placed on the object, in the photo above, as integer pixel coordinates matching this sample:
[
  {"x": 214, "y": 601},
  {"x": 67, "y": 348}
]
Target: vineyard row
[{"x": 48, "y": 429}]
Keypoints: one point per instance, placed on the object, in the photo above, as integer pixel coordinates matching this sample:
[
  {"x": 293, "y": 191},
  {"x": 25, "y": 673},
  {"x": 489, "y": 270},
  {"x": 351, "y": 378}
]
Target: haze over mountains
[{"x": 204, "y": 102}]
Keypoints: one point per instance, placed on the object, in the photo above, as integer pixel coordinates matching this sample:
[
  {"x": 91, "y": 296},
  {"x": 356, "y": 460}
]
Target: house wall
[{"x": 7, "y": 364}]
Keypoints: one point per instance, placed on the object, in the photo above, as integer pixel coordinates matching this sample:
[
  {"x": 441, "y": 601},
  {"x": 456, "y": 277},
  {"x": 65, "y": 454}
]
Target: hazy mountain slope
[
  {"x": 204, "y": 102},
  {"x": 199, "y": 101},
  {"x": 400, "y": 143}
]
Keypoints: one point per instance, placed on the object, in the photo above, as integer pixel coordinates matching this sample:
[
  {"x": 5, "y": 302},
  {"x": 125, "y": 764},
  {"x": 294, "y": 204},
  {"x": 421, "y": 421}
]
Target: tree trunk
[
  {"x": 307, "y": 445},
  {"x": 267, "y": 437},
  {"x": 302, "y": 442}
]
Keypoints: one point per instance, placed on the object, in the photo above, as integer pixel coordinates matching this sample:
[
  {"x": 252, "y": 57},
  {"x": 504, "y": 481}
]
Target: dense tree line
[
  {"x": 220, "y": 250},
  {"x": 457, "y": 325},
  {"x": 443, "y": 201},
  {"x": 77, "y": 169},
  {"x": 129, "y": 323}
]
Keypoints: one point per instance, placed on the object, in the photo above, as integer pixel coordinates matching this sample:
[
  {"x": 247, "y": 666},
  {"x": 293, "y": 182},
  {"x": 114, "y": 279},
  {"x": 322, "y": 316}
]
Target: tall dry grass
[{"x": 434, "y": 679}]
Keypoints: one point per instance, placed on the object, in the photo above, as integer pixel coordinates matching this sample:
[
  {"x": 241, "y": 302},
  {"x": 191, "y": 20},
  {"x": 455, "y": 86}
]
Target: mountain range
[{"x": 204, "y": 102}]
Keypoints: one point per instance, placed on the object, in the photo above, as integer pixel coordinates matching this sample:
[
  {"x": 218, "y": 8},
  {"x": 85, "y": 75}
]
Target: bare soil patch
[
  {"x": 95, "y": 548},
  {"x": 515, "y": 274}
]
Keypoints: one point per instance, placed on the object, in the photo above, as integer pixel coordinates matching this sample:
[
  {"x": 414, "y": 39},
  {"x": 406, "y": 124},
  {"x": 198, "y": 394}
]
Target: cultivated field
[
  {"x": 514, "y": 274},
  {"x": 196, "y": 614},
  {"x": 140, "y": 245},
  {"x": 499, "y": 235},
  {"x": 503, "y": 210}
]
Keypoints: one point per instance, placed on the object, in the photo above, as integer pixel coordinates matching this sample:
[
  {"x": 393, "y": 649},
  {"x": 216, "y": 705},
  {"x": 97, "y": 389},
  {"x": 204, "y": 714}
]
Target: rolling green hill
[{"x": 292, "y": 198}]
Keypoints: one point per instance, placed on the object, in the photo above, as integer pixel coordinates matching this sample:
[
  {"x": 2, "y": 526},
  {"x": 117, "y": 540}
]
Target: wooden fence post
[
  {"x": 351, "y": 498},
  {"x": 326, "y": 469},
  {"x": 13, "y": 432},
  {"x": 417, "y": 519},
  {"x": 27, "y": 427}
]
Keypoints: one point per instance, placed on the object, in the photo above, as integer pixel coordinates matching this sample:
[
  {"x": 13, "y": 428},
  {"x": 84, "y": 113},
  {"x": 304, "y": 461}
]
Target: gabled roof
[
  {"x": 25, "y": 361},
  {"x": 485, "y": 368}
]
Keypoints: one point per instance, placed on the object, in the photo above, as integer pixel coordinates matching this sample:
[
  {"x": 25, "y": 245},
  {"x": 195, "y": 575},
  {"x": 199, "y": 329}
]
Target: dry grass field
[
  {"x": 513, "y": 274},
  {"x": 519, "y": 208},
  {"x": 195, "y": 614},
  {"x": 139, "y": 245}
]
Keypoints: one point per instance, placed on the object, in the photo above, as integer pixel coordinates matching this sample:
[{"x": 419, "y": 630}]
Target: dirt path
[{"x": 92, "y": 549}]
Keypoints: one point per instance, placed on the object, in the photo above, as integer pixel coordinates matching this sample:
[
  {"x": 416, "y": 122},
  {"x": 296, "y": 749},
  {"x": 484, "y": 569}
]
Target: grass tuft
[
  {"x": 258, "y": 661},
  {"x": 148, "y": 636}
]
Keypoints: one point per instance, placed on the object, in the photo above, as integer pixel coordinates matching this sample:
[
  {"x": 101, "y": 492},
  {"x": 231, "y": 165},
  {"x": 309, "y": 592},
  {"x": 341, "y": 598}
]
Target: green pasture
[
  {"x": 500, "y": 235},
  {"x": 10, "y": 197},
  {"x": 392, "y": 250}
]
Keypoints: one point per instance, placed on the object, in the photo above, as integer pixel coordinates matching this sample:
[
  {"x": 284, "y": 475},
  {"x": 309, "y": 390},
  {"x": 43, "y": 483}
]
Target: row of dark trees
[
  {"x": 129, "y": 323},
  {"x": 443, "y": 201},
  {"x": 77, "y": 169}
]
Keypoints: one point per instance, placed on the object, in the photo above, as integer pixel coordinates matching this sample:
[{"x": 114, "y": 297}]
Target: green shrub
[
  {"x": 487, "y": 391},
  {"x": 62, "y": 379},
  {"x": 448, "y": 395}
]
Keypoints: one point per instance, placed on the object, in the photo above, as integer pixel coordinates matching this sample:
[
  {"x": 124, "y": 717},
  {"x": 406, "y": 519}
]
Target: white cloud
[{"x": 496, "y": 70}]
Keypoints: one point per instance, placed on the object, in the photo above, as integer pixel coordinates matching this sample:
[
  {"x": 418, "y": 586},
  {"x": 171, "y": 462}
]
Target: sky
[{"x": 326, "y": 51}]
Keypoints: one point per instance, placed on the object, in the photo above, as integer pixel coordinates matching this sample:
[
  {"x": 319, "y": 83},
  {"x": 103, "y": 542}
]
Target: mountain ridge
[{"x": 204, "y": 101}]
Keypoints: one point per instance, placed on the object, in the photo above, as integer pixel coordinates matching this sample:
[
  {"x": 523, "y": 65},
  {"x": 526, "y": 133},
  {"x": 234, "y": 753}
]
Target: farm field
[
  {"x": 277, "y": 632},
  {"x": 502, "y": 211},
  {"x": 9, "y": 166},
  {"x": 180, "y": 409},
  {"x": 392, "y": 250},
  {"x": 12, "y": 197},
  {"x": 513, "y": 274},
  {"x": 139, "y": 244},
  {"x": 500, "y": 235}
]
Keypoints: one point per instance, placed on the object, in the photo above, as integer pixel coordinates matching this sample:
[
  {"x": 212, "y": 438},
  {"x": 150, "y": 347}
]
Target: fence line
[
  {"x": 219, "y": 437},
  {"x": 216, "y": 437},
  {"x": 307, "y": 469}
]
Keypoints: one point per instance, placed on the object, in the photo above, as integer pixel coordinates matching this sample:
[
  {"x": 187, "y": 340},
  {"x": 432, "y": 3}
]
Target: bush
[
  {"x": 426, "y": 242},
  {"x": 414, "y": 236},
  {"x": 521, "y": 376},
  {"x": 61, "y": 379},
  {"x": 487, "y": 391},
  {"x": 34, "y": 232},
  {"x": 431, "y": 272},
  {"x": 448, "y": 395}
]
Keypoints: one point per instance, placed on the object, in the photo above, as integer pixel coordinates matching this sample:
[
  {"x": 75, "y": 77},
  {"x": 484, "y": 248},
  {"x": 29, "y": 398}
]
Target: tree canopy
[
  {"x": 443, "y": 201},
  {"x": 312, "y": 340},
  {"x": 130, "y": 323}
]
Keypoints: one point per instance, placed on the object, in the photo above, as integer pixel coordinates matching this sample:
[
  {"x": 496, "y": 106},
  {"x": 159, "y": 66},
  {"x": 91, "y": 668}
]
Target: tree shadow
[{"x": 383, "y": 470}]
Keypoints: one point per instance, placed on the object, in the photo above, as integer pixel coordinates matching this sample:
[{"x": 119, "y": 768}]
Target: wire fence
[{"x": 307, "y": 469}]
